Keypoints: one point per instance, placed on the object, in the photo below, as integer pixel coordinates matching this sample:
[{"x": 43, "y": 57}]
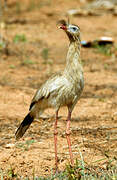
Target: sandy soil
[{"x": 94, "y": 119}]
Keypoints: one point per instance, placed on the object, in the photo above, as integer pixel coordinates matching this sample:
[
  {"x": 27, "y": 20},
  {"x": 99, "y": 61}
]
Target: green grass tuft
[
  {"x": 27, "y": 62},
  {"x": 45, "y": 53},
  {"x": 25, "y": 146},
  {"x": 104, "y": 49},
  {"x": 19, "y": 38},
  {"x": 80, "y": 171}
]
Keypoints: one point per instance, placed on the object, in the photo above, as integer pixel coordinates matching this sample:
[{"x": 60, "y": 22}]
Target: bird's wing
[{"x": 52, "y": 84}]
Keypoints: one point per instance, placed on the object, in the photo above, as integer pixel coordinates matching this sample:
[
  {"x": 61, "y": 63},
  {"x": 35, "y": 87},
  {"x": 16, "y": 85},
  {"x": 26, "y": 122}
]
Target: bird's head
[{"x": 73, "y": 31}]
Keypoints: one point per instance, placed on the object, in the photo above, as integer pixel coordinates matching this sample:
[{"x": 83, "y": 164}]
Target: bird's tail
[{"x": 24, "y": 126}]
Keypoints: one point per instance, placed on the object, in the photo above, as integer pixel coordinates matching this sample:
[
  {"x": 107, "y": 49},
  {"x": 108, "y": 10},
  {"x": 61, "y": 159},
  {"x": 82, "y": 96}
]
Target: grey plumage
[{"x": 62, "y": 89}]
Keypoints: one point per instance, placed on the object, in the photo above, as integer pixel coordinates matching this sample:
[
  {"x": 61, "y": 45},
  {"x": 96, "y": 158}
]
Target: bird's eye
[{"x": 74, "y": 28}]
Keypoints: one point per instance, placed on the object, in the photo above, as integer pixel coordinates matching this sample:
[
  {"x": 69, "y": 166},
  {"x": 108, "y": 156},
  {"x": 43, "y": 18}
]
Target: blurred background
[{"x": 31, "y": 49}]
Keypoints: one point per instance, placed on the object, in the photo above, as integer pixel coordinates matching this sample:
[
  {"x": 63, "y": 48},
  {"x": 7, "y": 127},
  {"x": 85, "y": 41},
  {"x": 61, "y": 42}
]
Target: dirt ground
[{"x": 31, "y": 61}]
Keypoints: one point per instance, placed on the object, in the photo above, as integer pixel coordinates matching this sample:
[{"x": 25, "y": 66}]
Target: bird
[{"x": 61, "y": 89}]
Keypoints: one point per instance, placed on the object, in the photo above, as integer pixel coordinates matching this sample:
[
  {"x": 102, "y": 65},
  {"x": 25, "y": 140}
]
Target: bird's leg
[
  {"x": 55, "y": 141},
  {"x": 68, "y": 138}
]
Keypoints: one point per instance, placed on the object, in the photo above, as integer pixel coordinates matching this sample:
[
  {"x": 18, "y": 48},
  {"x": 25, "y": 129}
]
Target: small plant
[
  {"x": 2, "y": 45},
  {"x": 76, "y": 172},
  {"x": 5, "y": 80},
  {"x": 12, "y": 66},
  {"x": 18, "y": 7},
  {"x": 45, "y": 53},
  {"x": 32, "y": 5},
  {"x": 19, "y": 38},
  {"x": 27, "y": 62},
  {"x": 37, "y": 4},
  {"x": 104, "y": 49},
  {"x": 1, "y": 175},
  {"x": 106, "y": 66},
  {"x": 25, "y": 146},
  {"x": 102, "y": 99},
  {"x": 11, "y": 173}
]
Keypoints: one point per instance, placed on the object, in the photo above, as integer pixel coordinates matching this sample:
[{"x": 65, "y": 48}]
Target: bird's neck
[{"x": 73, "y": 62}]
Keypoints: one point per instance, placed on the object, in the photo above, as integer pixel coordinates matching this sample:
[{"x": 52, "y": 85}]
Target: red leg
[
  {"x": 55, "y": 141},
  {"x": 68, "y": 138}
]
